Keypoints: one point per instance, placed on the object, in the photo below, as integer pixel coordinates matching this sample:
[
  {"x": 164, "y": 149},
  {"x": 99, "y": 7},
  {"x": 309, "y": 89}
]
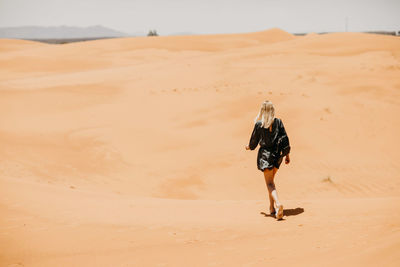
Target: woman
[{"x": 270, "y": 133}]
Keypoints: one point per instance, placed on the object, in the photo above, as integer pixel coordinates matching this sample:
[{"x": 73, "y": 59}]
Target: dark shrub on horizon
[{"x": 152, "y": 33}]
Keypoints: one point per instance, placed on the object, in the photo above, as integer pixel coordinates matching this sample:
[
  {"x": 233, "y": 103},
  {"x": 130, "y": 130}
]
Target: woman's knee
[{"x": 269, "y": 178}]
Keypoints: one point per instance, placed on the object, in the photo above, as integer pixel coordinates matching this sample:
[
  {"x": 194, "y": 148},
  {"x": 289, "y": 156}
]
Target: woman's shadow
[{"x": 286, "y": 212}]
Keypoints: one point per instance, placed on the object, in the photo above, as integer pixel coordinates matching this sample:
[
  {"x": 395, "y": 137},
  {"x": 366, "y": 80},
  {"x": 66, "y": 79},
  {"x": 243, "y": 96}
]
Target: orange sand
[{"x": 130, "y": 152}]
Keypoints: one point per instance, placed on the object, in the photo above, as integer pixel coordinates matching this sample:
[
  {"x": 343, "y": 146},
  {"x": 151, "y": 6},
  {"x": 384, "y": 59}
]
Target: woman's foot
[{"x": 279, "y": 212}]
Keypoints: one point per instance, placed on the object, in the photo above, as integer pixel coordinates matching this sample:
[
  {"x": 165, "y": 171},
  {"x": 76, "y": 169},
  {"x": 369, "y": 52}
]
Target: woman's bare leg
[
  {"x": 273, "y": 195},
  {"x": 271, "y": 199},
  {"x": 275, "y": 170},
  {"x": 271, "y": 203}
]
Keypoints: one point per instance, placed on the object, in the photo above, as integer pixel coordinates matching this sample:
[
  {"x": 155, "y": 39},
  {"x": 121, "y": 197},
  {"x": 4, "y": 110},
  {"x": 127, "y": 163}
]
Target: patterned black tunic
[{"x": 274, "y": 145}]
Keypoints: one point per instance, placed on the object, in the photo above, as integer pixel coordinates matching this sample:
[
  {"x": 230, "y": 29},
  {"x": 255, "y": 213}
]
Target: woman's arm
[
  {"x": 284, "y": 141},
  {"x": 255, "y": 137}
]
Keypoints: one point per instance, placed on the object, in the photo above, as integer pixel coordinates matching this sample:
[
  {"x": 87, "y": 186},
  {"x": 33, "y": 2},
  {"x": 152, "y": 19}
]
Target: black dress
[{"x": 274, "y": 145}]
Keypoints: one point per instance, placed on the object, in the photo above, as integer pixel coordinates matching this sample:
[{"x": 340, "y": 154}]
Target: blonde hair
[{"x": 266, "y": 114}]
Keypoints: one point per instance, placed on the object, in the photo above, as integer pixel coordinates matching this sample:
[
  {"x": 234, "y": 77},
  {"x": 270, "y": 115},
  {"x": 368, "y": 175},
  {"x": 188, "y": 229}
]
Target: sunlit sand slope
[{"x": 131, "y": 151}]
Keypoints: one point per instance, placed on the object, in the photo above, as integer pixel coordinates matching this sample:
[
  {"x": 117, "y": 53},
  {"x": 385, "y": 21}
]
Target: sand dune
[
  {"x": 131, "y": 152},
  {"x": 7, "y": 45}
]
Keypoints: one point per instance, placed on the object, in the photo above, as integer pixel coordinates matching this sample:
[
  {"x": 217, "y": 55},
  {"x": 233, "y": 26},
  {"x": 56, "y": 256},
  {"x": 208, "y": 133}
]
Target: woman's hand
[
  {"x": 287, "y": 159},
  {"x": 247, "y": 147}
]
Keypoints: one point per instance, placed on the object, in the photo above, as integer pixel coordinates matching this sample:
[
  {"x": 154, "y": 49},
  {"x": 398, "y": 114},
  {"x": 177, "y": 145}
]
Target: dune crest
[
  {"x": 14, "y": 44},
  {"x": 205, "y": 43},
  {"x": 272, "y": 35}
]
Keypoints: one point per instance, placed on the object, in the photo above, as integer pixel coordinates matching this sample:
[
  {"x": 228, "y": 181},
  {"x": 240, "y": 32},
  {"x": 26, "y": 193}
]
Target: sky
[{"x": 206, "y": 16}]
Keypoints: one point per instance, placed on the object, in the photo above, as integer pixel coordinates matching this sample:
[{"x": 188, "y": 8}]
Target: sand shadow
[{"x": 286, "y": 212}]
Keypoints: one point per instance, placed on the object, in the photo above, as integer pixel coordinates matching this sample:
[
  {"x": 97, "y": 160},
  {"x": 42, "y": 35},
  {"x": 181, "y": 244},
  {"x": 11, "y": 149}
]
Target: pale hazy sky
[{"x": 205, "y": 16}]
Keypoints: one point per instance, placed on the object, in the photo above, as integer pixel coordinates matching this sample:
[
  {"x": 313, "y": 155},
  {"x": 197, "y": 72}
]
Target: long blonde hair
[{"x": 266, "y": 114}]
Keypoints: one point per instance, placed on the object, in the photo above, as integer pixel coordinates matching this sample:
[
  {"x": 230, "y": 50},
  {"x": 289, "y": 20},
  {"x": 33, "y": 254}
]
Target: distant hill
[{"x": 58, "y": 32}]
